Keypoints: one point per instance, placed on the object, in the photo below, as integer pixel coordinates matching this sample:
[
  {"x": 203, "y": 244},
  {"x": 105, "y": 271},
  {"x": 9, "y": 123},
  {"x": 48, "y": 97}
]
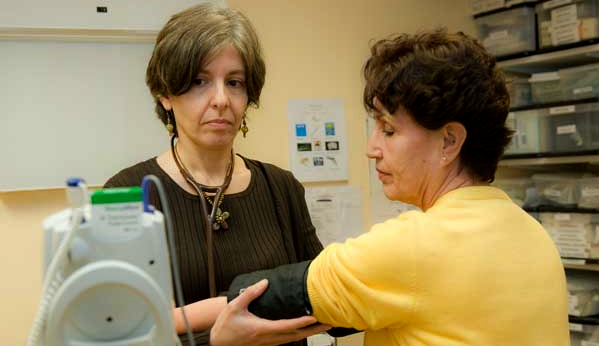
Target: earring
[
  {"x": 244, "y": 127},
  {"x": 169, "y": 127}
]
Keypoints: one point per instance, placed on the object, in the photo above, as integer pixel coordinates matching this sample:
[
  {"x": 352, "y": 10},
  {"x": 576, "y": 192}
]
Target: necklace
[
  {"x": 212, "y": 221},
  {"x": 220, "y": 219}
]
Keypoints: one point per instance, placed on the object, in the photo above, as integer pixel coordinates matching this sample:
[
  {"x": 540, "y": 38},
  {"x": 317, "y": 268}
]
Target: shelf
[
  {"x": 560, "y": 209},
  {"x": 590, "y": 267},
  {"x": 556, "y": 160},
  {"x": 78, "y": 35},
  {"x": 581, "y": 264},
  {"x": 551, "y": 61},
  {"x": 554, "y": 104}
]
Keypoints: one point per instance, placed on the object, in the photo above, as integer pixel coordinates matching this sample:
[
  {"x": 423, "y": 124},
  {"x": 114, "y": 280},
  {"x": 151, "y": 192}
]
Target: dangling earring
[
  {"x": 244, "y": 127},
  {"x": 169, "y": 127}
]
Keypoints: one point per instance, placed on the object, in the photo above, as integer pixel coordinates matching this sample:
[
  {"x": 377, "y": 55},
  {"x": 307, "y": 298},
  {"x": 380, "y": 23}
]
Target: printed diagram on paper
[
  {"x": 317, "y": 144},
  {"x": 336, "y": 212}
]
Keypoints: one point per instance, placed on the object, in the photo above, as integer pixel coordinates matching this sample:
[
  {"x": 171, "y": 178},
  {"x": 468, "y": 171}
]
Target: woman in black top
[{"x": 205, "y": 71}]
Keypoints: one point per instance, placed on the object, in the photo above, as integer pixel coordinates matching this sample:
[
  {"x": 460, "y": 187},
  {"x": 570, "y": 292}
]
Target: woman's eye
[
  {"x": 387, "y": 131},
  {"x": 236, "y": 83},
  {"x": 199, "y": 81}
]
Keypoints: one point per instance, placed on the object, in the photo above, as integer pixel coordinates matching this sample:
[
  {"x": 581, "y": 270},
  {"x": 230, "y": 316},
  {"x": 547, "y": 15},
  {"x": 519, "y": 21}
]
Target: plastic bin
[
  {"x": 580, "y": 82},
  {"x": 546, "y": 87},
  {"x": 588, "y": 192},
  {"x": 575, "y": 235},
  {"x": 515, "y": 188},
  {"x": 557, "y": 189},
  {"x": 562, "y": 22},
  {"x": 480, "y": 6},
  {"x": 574, "y": 128},
  {"x": 583, "y": 294},
  {"x": 508, "y": 32},
  {"x": 584, "y": 334},
  {"x": 531, "y": 132},
  {"x": 519, "y": 90}
]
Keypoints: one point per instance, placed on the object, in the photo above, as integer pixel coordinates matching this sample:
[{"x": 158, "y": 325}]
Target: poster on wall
[
  {"x": 336, "y": 212},
  {"x": 317, "y": 139}
]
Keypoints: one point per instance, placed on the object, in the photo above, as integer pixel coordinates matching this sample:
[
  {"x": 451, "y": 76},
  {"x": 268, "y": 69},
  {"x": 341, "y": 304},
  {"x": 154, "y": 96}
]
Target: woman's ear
[
  {"x": 454, "y": 136},
  {"x": 166, "y": 103}
]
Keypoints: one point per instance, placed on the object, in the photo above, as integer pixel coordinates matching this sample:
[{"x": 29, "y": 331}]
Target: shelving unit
[{"x": 557, "y": 136}]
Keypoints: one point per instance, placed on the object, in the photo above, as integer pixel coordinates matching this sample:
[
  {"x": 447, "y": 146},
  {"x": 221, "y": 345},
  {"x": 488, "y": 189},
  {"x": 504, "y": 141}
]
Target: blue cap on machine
[{"x": 73, "y": 182}]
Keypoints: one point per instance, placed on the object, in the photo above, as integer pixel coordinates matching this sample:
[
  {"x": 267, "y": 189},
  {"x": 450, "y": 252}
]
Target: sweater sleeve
[{"x": 367, "y": 282}]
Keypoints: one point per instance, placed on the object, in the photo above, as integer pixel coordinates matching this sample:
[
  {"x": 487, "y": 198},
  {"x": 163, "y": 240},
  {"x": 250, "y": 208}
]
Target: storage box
[
  {"x": 519, "y": 90},
  {"x": 531, "y": 132},
  {"x": 557, "y": 189},
  {"x": 562, "y": 22},
  {"x": 516, "y": 188},
  {"x": 508, "y": 32},
  {"x": 574, "y": 128},
  {"x": 580, "y": 82},
  {"x": 584, "y": 334},
  {"x": 583, "y": 294},
  {"x": 546, "y": 87},
  {"x": 575, "y": 235},
  {"x": 480, "y": 6},
  {"x": 588, "y": 192}
]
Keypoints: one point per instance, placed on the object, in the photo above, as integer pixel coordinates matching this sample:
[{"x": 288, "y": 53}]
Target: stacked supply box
[
  {"x": 566, "y": 21},
  {"x": 580, "y": 82},
  {"x": 508, "y": 32},
  {"x": 531, "y": 132},
  {"x": 583, "y": 294},
  {"x": 519, "y": 89},
  {"x": 546, "y": 87},
  {"x": 588, "y": 192},
  {"x": 574, "y": 128},
  {"x": 575, "y": 235},
  {"x": 516, "y": 188},
  {"x": 564, "y": 129},
  {"x": 584, "y": 334},
  {"x": 557, "y": 189}
]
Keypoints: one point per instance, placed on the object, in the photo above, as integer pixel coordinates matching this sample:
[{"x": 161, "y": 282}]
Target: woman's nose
[
  {"x": 373, "y": 150},
  {"x": 220, "y": 98}
]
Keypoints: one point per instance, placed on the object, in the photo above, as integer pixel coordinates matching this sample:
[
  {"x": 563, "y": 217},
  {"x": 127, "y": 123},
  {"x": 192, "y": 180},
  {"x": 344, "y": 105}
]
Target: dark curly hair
[{"x": 440, "y": 77}]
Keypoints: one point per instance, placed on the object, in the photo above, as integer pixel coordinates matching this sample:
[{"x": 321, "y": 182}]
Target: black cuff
[
  {"x": 286, "y": 295},
  {"x": 338, "y": 332}
]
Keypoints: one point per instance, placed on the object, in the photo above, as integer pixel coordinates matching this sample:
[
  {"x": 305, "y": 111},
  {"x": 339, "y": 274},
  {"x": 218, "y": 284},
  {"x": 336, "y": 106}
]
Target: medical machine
[{"x": 107, "y": 271}]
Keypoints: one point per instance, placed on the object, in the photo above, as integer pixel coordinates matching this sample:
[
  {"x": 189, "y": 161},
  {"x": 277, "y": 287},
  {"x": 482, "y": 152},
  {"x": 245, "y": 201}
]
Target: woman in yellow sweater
[{"x": 469, "y": 268}]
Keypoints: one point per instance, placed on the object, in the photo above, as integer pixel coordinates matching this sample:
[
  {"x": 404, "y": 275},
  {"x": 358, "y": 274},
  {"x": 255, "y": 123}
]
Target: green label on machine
[{"x": 117, "y": 195}]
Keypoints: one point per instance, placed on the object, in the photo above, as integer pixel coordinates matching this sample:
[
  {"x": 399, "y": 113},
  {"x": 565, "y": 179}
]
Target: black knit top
[{"x": 269, "y": 225}]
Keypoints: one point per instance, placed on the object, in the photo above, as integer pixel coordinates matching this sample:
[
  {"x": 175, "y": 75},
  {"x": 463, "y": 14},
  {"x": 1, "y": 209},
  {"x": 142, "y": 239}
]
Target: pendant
[{"x": 220, "y": 220}]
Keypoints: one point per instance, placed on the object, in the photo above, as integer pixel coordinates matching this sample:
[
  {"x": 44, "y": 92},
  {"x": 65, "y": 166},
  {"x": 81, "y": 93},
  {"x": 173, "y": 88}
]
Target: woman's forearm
[{"x": 200, "y": 315}]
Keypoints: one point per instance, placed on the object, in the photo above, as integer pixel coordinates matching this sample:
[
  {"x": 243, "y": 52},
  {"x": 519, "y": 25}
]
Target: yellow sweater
[{"x": 474, "y": 269}]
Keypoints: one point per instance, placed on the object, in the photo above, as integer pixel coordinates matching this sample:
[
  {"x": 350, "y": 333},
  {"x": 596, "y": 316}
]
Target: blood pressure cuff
[{"x": 286, "y": 296}]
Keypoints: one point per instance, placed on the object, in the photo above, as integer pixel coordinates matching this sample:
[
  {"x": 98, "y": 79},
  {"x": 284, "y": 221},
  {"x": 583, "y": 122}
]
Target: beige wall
[{"x": 314, "y": 49}]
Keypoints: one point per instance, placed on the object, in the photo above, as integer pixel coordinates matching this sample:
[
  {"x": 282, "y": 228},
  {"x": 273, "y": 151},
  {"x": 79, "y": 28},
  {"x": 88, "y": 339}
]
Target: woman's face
[
  {"x": 407, "y": 155},
  {"x": 210, "y": 113}
]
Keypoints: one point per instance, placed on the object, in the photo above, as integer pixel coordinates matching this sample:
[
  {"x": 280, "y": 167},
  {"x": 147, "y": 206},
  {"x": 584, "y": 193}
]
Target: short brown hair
[
  {"x": 440, "y": 77},
  {"x": 190, "y": 39}
]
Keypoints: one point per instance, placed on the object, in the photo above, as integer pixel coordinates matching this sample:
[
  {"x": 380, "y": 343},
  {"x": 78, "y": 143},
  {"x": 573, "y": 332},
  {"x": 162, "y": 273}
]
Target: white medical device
[{"x": 107, "y": 273}]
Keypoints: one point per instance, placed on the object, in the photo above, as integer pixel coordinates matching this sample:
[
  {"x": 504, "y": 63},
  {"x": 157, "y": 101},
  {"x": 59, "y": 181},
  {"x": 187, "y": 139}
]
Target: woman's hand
[{"x": 236, "y": 326}]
